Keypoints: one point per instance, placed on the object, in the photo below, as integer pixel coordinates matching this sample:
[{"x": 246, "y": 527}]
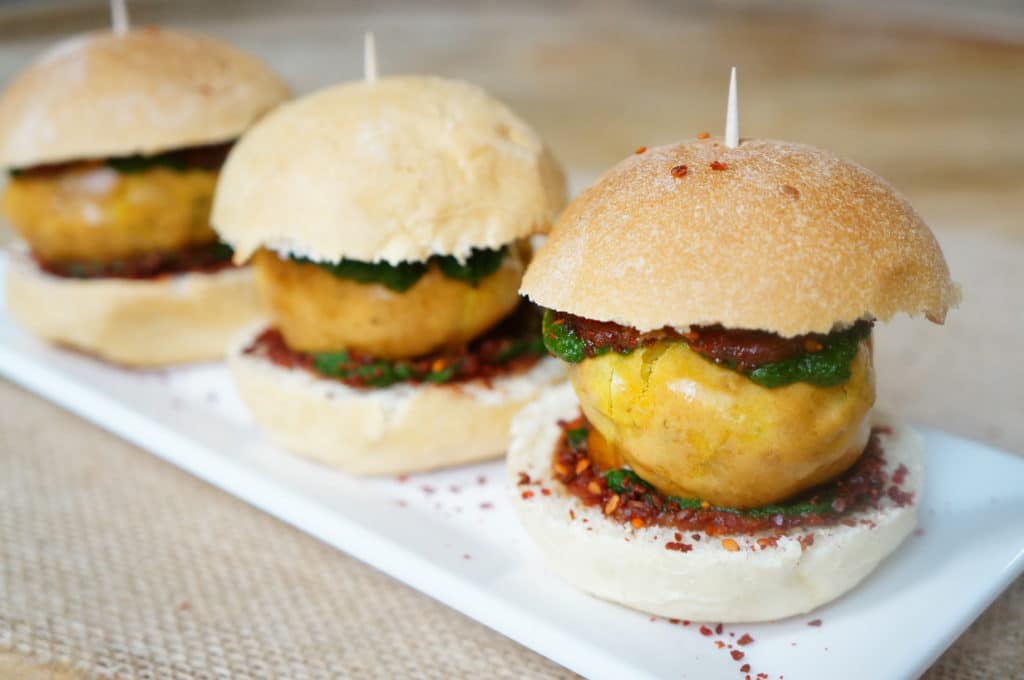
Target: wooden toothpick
[
  {"x": 732, "y": 115},
  {"x": 119, "y": 17},
  {"x": 369, "y": 58}
]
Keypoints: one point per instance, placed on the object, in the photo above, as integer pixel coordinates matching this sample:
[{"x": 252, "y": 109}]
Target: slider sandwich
[
  {"x": 716, "y": 456},
  {"x": 388, "y": 223},
  {"x": 113, "y": 143}
]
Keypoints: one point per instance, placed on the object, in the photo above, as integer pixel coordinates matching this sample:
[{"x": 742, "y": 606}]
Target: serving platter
[{"x": 452, "y": 535}]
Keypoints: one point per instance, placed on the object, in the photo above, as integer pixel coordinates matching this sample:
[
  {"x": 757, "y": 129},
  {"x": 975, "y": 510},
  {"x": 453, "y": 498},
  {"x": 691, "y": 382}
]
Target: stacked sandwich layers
[
  {"x": 113, "y": 144},
  {"x": 714, "y": 306},
  {"x": 388, "y": 223}
]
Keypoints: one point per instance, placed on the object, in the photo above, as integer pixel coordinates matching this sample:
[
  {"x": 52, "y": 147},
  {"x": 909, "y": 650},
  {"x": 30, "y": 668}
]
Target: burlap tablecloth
[{"x": 114, "y": 564}]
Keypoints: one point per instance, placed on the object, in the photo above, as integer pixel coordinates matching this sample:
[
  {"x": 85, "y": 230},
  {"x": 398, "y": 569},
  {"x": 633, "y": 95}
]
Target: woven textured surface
[{"x": 114, "y": 564}]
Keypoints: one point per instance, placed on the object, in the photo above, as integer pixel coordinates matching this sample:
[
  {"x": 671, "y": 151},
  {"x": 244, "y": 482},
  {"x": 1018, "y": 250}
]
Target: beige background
[{"x": 931, "y": 99}]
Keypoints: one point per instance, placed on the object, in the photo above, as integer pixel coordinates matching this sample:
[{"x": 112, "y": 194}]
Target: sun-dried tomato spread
[
  {"x": 511, "y": 347},
  {"x": 206, "y": 258},
  {"x": 740, "y": 348},
  {"x": 626, "y": 498}
]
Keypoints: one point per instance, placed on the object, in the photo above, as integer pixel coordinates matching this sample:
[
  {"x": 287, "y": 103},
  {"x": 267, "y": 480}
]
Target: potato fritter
[
  {"x": 695, "y": 429},
  {"x": 90, "y": 212},
  {"x": 318, "y": 311}
]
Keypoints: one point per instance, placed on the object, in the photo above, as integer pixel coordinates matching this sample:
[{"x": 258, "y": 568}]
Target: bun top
[
  {"x": 396, "y": 170},
  {"x": 770, "y": 235},
  {"x": 101, "y": 95}
]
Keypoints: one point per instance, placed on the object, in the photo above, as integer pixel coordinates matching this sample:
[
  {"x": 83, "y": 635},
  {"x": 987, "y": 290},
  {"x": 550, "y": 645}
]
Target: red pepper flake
[
  {"x": 719, "y": 629},
  {"x": 736, "y": 655},
  {"x": 685, "y": 622},
  {"x": 816, "y": 623},
  {"x": 745, "y": 640},
  {"x": 524, "y": 479},
  {"x": 900, "y": 475},
  {"x": 791, "y": 191},
  {"x": 703, "y": 135},
  {"x": 545, "y": 492},
  {"x": 572, "y": 515},
  {"x": 679, "y": 171},
  {"x": 762, "y": 676},
  {"x": 637, "y": 522},
  {"x": 730, "y": 545},
  {"x": 705, "y": 631},
  {"x": 486, "y": 505},
  {"x": 695, "y": 537},
  {"x": 481, "y": 480},
  {"x": 719, "y": 165},
  {"x": 402, "y": 479},
  {"x": 674, "y": 621},
  {"x": 678, "y": 547},
  {"x": 427, "y": 489},
  {"x": 678, "y": 536},
  {"x": 640, "y": 149},
  {"x": 745, "y": 668},
  {"x": 719, "y": 644},
  {"x": 806, "y": 541},
  {"x": 527, "y": 495},
  {"x": 900, "y": 497}
]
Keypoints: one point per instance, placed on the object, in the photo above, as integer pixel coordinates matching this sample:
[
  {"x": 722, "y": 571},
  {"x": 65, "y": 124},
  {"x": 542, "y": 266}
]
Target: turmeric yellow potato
[
  {"x": 318, "y": 311},
  {"x": 91, "y": 212},
  {"x": 694, "y": 429}
]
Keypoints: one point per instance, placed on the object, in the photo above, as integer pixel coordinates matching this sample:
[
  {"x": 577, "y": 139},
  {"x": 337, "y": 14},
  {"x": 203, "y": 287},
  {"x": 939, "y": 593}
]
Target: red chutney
[
  {"x": 862, "y": 487},
  {"x": 742, "y": 348},
  {"x": 478, "y": 361},
  {"x": 206, "y": 258}
]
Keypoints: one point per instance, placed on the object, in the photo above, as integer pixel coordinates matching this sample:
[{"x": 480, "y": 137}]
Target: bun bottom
[
  {"x": 709, "y": 583},
  {"x": 139, "y": 323},
  {"x": 400, "y": 429}
]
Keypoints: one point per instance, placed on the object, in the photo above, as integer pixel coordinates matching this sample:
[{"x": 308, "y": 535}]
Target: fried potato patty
[
  {"x": 318, "y": 311},
  {"x": 91, "y": 212},
  {"x": 695, "y": 429}
]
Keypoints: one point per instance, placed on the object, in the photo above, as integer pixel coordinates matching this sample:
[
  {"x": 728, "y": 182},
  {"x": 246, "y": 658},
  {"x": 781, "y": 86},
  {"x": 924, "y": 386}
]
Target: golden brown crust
[
  {"x": 179, "y": 319},
  {"x": 100, "y": 95},
  {"x": 396, "y": 170},
  {"x": 317, "y": 311},
  {"x": 786, "y": 238}
]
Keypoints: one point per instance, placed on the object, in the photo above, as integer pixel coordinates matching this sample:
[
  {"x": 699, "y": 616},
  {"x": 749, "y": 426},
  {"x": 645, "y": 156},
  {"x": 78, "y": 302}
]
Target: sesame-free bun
[
  {"x": 376, "y": 431},
  {"x": 786, "y": 238},
  {"x": 632, "y": 567},
  {"x": 396, "y": 170},
  {"x": 149, "y": 322},
  {"x": 102, "y": 95}
]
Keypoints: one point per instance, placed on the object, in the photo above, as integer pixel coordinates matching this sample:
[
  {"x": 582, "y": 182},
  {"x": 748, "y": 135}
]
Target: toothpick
[
  {"x": 119, "y": 16},
  {"x": 369, "y": 58},
  {"x": 732, "y": 115}
]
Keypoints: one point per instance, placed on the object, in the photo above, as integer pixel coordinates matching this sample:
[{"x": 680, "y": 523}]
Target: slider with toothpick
[
  {"x": 114, "y": 141},
  {"x": 389, "y": 222},
  {"x": 716, "y": 457}
]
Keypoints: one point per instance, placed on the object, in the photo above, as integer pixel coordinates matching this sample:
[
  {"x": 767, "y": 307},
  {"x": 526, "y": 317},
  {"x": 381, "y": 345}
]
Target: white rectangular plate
[{"x": 452, "y": 536}]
